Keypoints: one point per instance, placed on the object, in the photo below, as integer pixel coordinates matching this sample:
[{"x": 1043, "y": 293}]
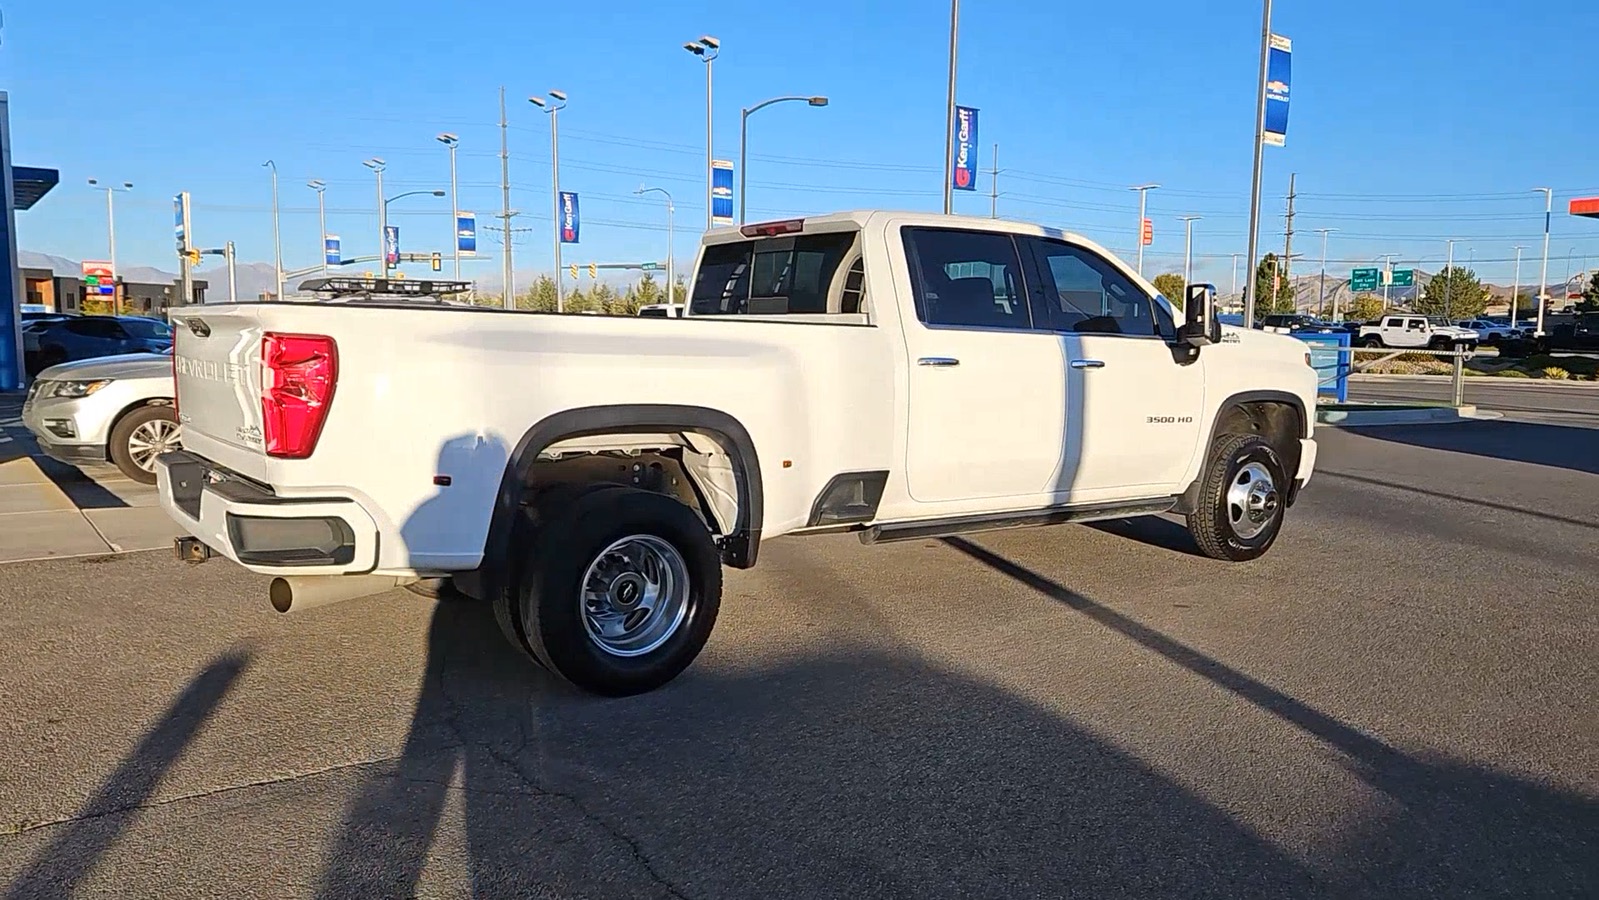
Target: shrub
[
  {"x": 1512, "y": 373},
  {"x": 1556, "y": 373}
]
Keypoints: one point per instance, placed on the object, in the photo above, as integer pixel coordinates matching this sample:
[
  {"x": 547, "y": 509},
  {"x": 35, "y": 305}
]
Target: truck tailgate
[{"x": 216, "y": 358}]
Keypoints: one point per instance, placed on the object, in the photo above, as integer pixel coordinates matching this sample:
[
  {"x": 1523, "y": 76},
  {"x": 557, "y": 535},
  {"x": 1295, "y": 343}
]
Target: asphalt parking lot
[{"x": 1399, "y": 700}]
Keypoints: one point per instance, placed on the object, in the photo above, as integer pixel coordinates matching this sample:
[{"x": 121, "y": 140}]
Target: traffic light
[
  {"x": 193, "y": 257},
  {"x": 594, "y": 270},
  {"x": 573, "y": 270},
  {"x": 438, "y": 263}
]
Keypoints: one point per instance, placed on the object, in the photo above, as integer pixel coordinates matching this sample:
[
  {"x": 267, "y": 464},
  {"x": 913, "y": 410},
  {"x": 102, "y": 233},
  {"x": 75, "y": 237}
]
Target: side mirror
[{"x": 1201, "y": 326}]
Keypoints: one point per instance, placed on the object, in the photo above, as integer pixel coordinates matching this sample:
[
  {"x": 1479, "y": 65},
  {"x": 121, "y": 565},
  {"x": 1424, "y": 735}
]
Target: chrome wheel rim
[
  {"x": 1251, "y": 500},
  {"x": 634, "y": 595},
  {"x": 151, "y": 439}
]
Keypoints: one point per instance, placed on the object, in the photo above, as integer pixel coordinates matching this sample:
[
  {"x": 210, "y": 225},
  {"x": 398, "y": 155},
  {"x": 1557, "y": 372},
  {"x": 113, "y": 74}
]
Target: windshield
[
  {"x": 1437, "y": 321},
  {"x": 149, "y": 329}
]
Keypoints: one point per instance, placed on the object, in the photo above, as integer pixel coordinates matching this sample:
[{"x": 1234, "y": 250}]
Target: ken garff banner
[
  {"x": 466, "y": 233},
  {"x": 330, "y": 249},
  {"x": 569, "y": 219},
  {"x": 965, "y": 174},
  {"x": 722, "y": 191},
  {"x": 1277, "y": 78},
  {"x": 391, "y": 245}
]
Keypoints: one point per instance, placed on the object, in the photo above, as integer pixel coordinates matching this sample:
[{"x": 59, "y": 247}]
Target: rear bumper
[{"x": 264, "y": 533}]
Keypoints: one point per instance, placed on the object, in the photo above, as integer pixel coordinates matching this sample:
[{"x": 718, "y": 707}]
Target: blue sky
[{"x": 1411, "y": 122}]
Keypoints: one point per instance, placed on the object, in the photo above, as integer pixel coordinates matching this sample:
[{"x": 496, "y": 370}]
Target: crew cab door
[
  {"x": 986, "y": 411},
  {"x": 1405, "y": 331},
  {"x": 1135, "y": 403}
]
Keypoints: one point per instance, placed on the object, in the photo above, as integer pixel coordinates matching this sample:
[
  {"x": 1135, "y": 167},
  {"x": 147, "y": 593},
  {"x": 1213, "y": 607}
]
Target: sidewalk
[{"x": 49, "y": 509}]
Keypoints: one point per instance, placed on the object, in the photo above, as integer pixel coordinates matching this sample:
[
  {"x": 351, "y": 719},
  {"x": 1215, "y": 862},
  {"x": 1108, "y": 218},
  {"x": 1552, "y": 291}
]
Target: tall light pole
[
  {"x": 277, "y": 241},
  {"x": 1254, "y": 187},
  {"x": 321, "y": 188},
  {"x": 743, "y": 141},
  {"x": 707, "y": 48},
  {"x": 949, "y": 108},
  {"x": 671, "y": 271},
  {"x": 450, "y": 141},
  {"x": 384, "y": 251},
  {"x": 1235, "y": 269},
  {"x": 553, "y": 107},
  {"x": 111, "y": 233},
  {"x": 1515, "y": 287},
  {"x": 1143, "y": 190},
  {"x": 1188, "y": 247},
  {"x": 1543, "y": 273},
  {"x": 1321, "y": 287},
  {"x": 1449, "y": 276},
  {"x": 377, "y": 166},
  {"x": 1387, "y": 278}
]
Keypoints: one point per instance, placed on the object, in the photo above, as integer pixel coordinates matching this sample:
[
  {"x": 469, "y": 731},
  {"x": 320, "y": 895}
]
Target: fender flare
[
  {"x": 1190, "y": 496},
  {"x": 739, "y": 547}
]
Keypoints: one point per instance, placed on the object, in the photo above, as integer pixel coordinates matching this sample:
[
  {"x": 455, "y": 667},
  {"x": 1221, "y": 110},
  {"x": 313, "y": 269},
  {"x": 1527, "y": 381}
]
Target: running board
[{"x": 1055, "y": 515}]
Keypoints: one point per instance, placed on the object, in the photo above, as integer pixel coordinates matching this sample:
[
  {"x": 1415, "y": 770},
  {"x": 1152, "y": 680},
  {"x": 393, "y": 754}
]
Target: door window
[
  {"x": 969, "y": 279},
  {"x": 1083, "y": 292}
]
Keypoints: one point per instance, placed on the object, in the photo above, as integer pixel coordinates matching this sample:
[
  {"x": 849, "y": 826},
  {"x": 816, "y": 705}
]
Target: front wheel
[
  {"x": 1372, "y": 341},
  {"x": 1241, "y": 504},
  {"x": 620, "y": 591},
  {"x": 141, "y": 436}
]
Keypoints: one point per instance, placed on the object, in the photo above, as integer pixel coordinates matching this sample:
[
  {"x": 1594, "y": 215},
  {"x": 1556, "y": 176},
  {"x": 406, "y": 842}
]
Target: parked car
[
  {"x": 661, "y": 310},
  {"x": 1490, "y": 332},
  {"x": 90, "y": 337},
  {"x": 1412, "y": 331},
  {"x": 1293, "y": 324},
  {"x": 116, "y": 409},
  {"x": 897, "y": 375}
]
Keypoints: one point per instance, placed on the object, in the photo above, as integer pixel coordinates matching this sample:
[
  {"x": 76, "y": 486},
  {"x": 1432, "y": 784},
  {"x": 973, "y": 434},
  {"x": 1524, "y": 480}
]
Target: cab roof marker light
[{"x": 768, "y": 229}]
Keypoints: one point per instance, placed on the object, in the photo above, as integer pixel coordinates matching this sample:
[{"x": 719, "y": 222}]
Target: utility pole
[
  {"x": 321, "y": 218},
  {"x": 1143, "y": 191},
  {"x": 1321, "y": 288},
  {"x": 993, "y": 188},
  {"x": 509, "y": 300},
  {"x": 949, "y": 109},
  {"x": 1515, "y": 287},
  {"x": 1288, "y": 232},
  {"x": 1188, "y": 248},
  {"x": 1254, "y": 189},
  {"x": 1235, "y": 272}
]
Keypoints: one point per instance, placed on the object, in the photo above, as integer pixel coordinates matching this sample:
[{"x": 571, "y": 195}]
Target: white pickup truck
[{"x": 898, "y": 375}]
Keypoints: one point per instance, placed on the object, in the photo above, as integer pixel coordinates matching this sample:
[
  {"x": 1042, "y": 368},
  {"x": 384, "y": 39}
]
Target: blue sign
[
  {"x": 1332, "y": 361},
  {"x": 721, "y": 192},
  {"x": 965, "y": 175},
  {"x": 569, "y": 219},
  {"x": 466, "y": 233},
  {"x": 330, "y": 249},
  {"x": 391, "y": 245},
  {"x": 1277, "y": 77},
  {"x": 177, "y": 219}
]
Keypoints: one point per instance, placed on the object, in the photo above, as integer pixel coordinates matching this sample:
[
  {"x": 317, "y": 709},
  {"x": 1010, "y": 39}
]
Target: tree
[
  {"x": 1267, "y": 300},
  {"x": 540, "y": 297},
  {"x": 1590, "y": 297},
  {"x": 1171, "y": 286},
  {"x": 1365, "y": 307},
  {"x": 1526, "y": 304},
  {"x": 1455, "y": 292}
]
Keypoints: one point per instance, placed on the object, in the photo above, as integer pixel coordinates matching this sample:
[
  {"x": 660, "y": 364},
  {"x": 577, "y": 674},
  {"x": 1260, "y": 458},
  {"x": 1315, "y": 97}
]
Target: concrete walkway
[{"x": 49, "y": 509}]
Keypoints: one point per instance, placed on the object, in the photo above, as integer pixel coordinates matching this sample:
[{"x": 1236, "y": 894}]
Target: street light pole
[
  {"x": 1188, "y": 248},
  {"x": 707, "y": 48},
  {"x": 1515, "y": 287},
  {"x": 111, "y": 235},
  {"x": 557, "y": 102},
  {"x": 1235, "y": 270},
  {"x": 377, "y": 166},
  {"x": 233, "y": 279},
  {"x": 1321, "y": 288},
  {"x": 1387, "y": 278},
  {"x": 1543, "y": 273},
  {"x": 450, "y": 140},
  {"x": 743, "y": 141},
  {"x": 277, "y": 242},
  {"x": 1254, "y": 188},
  {"x": 1449, "y": 276},
  {"x": 1143, "y": 190},
  {"x": 949, "y": 108},
  {"x": 321, "y": 218},
  {"x": 671, "y": 271}
]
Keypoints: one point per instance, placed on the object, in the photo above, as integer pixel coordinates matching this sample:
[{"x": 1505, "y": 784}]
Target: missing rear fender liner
[
  {"x": 1238, "y": 414},
  {"x": 739, "y": 547}
]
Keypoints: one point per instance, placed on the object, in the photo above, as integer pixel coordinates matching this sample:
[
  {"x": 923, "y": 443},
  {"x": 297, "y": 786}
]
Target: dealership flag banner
[
  {"x": 1277, "y": 76},
  {"x": 964, "y": 177},
  {"x": 391, "y": 245},
  {"x": 330, "y": 249},
  {"x": 569, "y": 219},
  {"x": 466, "y": 233},
  {"x": 721, "y": 192}
]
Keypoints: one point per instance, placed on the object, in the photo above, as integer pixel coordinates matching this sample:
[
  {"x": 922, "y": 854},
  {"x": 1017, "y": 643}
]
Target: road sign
[
  {"x": 650, "y": 267},
  {"x": 1403, "y": 278},
  {"x": 99, "y": 275},
  {"x": 1363, "y": 280}
]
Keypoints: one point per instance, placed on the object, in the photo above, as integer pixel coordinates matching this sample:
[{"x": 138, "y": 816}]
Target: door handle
[
  {"x": 1088, "y": 364},
  {"x": 938, "y": 361}
]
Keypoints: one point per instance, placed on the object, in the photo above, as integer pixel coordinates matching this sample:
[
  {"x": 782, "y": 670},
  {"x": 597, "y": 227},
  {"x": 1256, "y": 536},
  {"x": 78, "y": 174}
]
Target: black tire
[
  {"x": 1372, "y": 341},
  {"x": 574, "y": 534},
  {"x": 117, "y": 446},
  {"x": 1215, "y": 522},
  {"x": 1438, "y": 344}
]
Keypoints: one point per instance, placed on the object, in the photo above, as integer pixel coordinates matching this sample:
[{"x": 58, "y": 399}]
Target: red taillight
[
  {"x": 298, "y": 372},
  {"x": 770, "y": 229}
]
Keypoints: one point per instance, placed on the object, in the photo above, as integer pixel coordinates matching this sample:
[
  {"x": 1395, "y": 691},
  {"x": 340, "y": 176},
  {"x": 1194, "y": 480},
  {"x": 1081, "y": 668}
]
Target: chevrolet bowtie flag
[
  {"x": 1277, "y": 77},
  {"x": 466, "y": 233}
]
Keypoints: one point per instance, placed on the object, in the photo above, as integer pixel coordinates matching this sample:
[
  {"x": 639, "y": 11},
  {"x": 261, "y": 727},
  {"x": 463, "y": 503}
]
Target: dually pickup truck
[{"x": 897, "y": 375}]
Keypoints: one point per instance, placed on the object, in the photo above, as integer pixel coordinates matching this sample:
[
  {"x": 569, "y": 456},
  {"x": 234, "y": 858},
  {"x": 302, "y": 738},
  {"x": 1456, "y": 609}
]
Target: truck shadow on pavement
[
  {"x": 1558, "y": 446},
  {"x": 861, "y": 770}
]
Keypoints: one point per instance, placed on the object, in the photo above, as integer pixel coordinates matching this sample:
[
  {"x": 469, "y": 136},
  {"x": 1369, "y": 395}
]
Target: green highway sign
[
  {"x": 1403, "y": 278},
  {"x": 1363, "y": 280},
  {"x": 649, "y": 266}
]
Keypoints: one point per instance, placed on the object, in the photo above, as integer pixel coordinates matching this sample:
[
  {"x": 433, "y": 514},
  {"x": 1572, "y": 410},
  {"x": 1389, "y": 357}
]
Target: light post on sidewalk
[
  {"x": 1143, "y": 192},
  {"x": 277, "y": 240},
  {"x": 743, "y": 141},
  {"x": 377, "y": 165},
  {"x": 321, "y": 187},
  {"x": 450, "y": 141},
  {"x": 707, "y": 48},
  {"x": 1188, "y": 248},
  {"x": 557, "y": 102},
  {"x": 111, "y": 235},
  {"x": 671, "y": 272},
  {"x": 1321, "y": 288},
  {"x": 1543, "y": 273}
]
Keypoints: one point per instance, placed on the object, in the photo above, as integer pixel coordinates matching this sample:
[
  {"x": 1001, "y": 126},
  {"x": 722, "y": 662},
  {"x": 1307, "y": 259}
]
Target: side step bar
[{"x": 1055, "y": 515}]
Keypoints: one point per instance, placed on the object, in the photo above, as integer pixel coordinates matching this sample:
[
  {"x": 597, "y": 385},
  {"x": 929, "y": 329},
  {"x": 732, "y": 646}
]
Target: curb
[{"x": 1420, "y": 415}]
